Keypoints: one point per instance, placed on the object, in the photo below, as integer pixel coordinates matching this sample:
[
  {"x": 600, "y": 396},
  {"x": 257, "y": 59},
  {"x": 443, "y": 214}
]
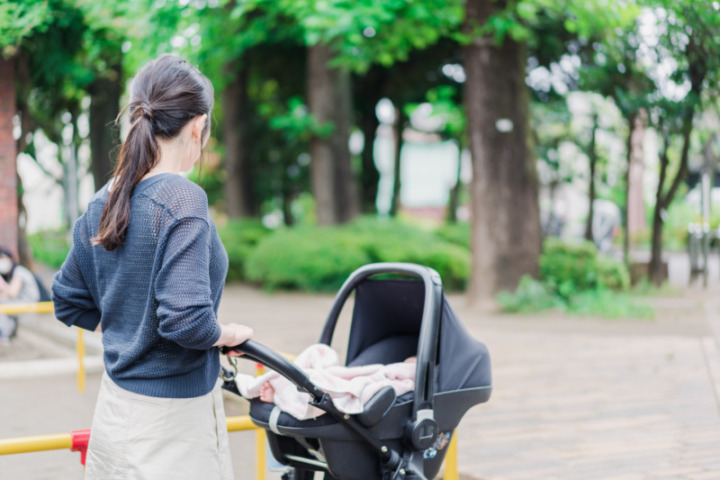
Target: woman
[
  {"x": 147, "y": 267},
  {"x": 17, "y": 285}
]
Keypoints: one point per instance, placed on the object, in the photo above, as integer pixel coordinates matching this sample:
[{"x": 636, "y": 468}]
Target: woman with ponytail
[{"x": 147, "y": 268}]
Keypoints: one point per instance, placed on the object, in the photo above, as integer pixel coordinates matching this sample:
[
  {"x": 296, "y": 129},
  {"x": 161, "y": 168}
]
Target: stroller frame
[{"x": 421, "y": 431}]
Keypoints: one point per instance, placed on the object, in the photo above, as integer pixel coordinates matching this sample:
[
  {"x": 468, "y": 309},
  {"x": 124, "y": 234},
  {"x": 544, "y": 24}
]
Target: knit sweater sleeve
[
  {"x": 74, "y": 305},
  {"x": 185, "y": 308}
]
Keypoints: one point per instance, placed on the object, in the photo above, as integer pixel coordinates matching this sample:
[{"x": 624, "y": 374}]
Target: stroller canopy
[{"x": 386, "y": 323}]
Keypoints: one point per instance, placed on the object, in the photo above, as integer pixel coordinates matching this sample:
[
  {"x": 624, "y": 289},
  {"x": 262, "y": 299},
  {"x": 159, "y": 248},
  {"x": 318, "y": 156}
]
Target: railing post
[
  {"x": 451, "y": 469},
  {"x": 80, "y": 441},
  {"x": 260, "y": 440},
  {"x": 81, "y": 361}
]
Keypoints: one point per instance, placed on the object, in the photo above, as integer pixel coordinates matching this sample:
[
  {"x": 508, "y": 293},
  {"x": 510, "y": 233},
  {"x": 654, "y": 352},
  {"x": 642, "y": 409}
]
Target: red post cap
[{"x": 80, "y": 440}]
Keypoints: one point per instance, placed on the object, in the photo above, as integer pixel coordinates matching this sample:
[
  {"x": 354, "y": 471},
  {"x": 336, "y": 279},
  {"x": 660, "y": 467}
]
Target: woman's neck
[{"x": 172, "y": 153}]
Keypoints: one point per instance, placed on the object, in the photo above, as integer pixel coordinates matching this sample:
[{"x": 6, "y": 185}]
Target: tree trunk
[
  {"x": 698, "y": 73},
  {"x": 347, "y": 199},
  {"x": 655, "y": 266},
  {"x": 27, "y": 128},
  {"x": 506, "y": 235},
  {"x": 71, "y": 176},
  {"x": 25, "y": 255},
  {"x": 636, "y": 220},
  {"x": 663, "y": 200},
  {"x": 398, "y": 128},
  {"x": 655, "y": 269},
  {"x": 332, "y": 180},
  {"x": 369, "y": 94},
  {"x": 105, "y": 95},
  {"x": 454, "y": 200},
  {"x": 8, "y": 158},
  {"x": 239, "y": 198},
  {"x": 592, "y": 156},
  {"x": 625, "y": 208},
  {"x": 370, "y": 176}
]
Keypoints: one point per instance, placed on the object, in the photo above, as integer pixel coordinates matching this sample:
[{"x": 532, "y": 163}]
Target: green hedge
[
  {"x": 530, "y": 296},
  {"x": 240, "y": 237},
  {"x": 575, "y": 267},
  {"x": 393, "y": 241},
  {"x": 305, "y": 258},
  {"x": 612, "y": 274},
  {"x": 568, "y": 267},
  {"x": 457, "y": 233},
  {"x": 574, "y": 278},
  {"x": 321, "y": 258},
  {"x": 49, "y": 248}
]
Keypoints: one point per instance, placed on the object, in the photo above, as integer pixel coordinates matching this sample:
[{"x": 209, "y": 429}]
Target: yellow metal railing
[
  {"x": 40, "y": 443},
  {"x": 77, "y": 440},
  {"x": 48, "y": 307},
  {"x": 18, "y": 308}
]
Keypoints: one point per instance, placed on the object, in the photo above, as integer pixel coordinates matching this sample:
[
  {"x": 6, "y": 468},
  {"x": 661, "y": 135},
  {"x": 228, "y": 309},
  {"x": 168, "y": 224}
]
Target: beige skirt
[{"x": 136, "y": 437}]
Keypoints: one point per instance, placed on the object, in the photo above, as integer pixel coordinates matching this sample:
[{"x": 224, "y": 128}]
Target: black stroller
[{"x": 393, "y": 438}]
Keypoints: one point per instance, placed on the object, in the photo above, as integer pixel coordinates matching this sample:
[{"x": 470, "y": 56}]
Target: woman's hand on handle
[{"x": 233, "y": 334}]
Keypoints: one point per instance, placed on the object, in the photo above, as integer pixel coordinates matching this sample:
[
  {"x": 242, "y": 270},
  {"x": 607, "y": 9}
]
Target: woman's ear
[{"x": 198, "y": 127}]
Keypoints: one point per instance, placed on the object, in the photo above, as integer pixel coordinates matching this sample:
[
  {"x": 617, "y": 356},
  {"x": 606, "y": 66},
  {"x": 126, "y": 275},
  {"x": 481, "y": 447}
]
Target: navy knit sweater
[{"x": 156, "y": 297}]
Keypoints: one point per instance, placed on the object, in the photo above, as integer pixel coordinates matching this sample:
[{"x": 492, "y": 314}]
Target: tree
[
  {"x": 614, "y": 70},
  {"x": 329, "y": 101},
  {"x": 108, "y": 27},
  {"x": 8, "y": 153},
  {"x": 344, "y": 37},
  {"x": 506, "y": 237},
  {"x": 22, "y": 23},
  {"x": 690, "y": 37}
]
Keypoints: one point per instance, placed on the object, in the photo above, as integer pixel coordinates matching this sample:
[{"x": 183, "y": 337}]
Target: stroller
[{"x": 393, "y": 438}]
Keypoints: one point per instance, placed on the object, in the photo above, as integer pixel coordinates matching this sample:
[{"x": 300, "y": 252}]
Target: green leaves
[
  {"x": 19, "y": 19},
  {"x": 296, "y": 121},
  {"x": 366, "y": 32}
]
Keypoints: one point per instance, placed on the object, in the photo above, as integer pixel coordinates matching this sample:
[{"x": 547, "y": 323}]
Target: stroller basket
[{"x": 403, "y": 437}]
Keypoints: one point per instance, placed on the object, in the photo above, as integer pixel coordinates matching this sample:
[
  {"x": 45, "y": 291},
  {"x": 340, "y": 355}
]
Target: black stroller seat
[{"x": 403, "y": 437}]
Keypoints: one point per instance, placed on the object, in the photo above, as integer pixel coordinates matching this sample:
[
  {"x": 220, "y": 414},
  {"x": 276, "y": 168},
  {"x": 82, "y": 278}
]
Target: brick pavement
[{"x": 573, "y": 398}]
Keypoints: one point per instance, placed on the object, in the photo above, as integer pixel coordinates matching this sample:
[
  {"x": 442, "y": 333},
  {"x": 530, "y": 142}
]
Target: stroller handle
[
  {"x": 263, "y": 354},
  {"x": 429, "y": 330}
]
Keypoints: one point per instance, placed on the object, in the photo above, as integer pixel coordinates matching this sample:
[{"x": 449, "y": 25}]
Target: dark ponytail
[{"x": 166, "y": 94}]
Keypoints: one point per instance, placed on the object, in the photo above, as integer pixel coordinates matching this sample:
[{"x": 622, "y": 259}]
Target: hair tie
[
  {"x": 146, "y": 111},
  {"x": 142, "y": 110}
]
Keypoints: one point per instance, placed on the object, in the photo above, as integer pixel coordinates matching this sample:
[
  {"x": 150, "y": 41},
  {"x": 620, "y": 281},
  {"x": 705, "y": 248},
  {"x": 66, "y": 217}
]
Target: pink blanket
[{"x": 349, "y": 387}]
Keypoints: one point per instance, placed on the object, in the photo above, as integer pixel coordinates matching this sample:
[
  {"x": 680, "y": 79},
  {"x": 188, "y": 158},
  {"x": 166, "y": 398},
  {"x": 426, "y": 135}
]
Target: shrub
[
  {"x": 239, "y": 238},
  {"x": 457, "y": 233},
  {"x": 568, "y": 267},
  {"x": 612, "y": 273},
  {"x": 607, "y": 304},
  {"x": 574, "y": 278},
  {"x": 530, "y": 296},
  {"x": 392, "y": 241},
  {"x": 49, "y": 248},
  {"x": 305, "y": 258},
  {"x": 321, "y": 258}
]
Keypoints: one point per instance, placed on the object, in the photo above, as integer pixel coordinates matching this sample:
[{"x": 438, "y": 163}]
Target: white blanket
[{"x": 349, "y": 387}]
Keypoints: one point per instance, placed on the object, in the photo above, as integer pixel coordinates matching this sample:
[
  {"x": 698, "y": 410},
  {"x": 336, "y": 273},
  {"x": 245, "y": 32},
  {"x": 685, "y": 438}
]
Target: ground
[{"x": 574, "y": 398}]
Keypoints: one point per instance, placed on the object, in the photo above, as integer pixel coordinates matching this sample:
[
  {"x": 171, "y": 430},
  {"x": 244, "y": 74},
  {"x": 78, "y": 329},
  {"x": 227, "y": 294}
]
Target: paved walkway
[{"x": 573, "y": 398}]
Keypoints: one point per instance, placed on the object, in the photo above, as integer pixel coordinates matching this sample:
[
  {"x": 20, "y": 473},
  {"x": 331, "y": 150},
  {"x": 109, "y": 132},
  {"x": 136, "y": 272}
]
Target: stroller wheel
[
  {"x": 297, "y": 474},
  {"x": 13, "y": 332}
]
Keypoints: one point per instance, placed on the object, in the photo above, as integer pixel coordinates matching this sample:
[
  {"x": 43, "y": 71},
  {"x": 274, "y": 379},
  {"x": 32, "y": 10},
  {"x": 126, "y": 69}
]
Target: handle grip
[{"x": 263, "y": 354}]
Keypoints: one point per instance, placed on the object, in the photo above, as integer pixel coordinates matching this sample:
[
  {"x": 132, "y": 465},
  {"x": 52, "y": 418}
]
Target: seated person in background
[
  {"x": 349, "y": 387},
  {"x": 17, "y": 285}
]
